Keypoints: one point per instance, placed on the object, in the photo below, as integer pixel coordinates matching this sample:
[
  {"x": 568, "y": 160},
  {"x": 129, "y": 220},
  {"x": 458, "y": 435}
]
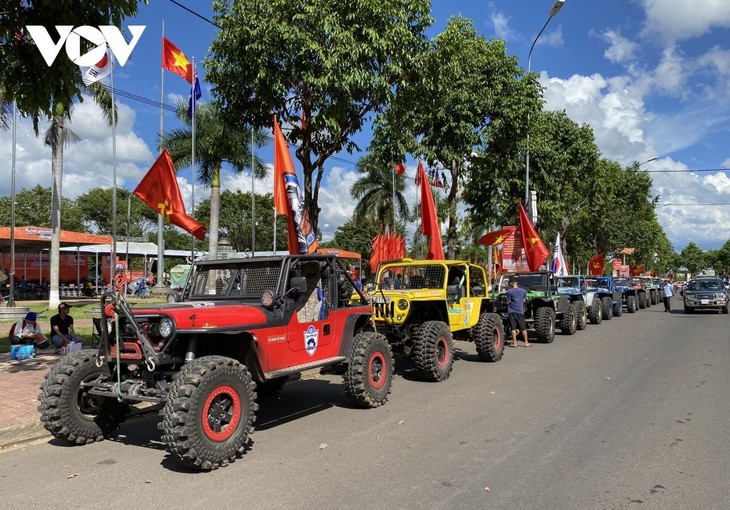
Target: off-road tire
[
  {"x": 581, "y": 315},
  {"x": 433, "y": 350},
  {"x": 270, "y": 387},
  {"x": 68, "y": 411},
  {"x": 618, "y": 308},
  {"x": 545, "y": 324},
  {"x": 655, "y": 298},
  {"x": 569, "y": 321},
  {"x": 488, "y": 336},
  {"x": 607, "y": 304},
  {"x": 209, "y": 413},
  {"x": 642, "y": 300},
  {"x": 595, "y": 311},
  {"x": 369, "y": 375},
  {"x": 630, "y": 304}
]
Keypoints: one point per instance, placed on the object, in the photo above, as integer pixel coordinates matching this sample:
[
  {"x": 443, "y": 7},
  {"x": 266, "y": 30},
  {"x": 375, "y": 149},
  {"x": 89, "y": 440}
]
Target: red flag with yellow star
[
  {"x": 535, "y": 250},
  {"x": 497, "y": 236},
  {"x": 159, "y": 190},
  {"x": 175, "y": 60},
  {"x": 595, "y": 266}
]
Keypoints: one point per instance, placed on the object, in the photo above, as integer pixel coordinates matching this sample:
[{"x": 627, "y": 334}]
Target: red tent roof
[{"x": 31, "y": 236}]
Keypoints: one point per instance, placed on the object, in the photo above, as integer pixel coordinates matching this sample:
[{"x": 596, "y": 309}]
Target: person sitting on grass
[
  {"x": 62, "y": 328},
  {"x": 27, "y": 332}
]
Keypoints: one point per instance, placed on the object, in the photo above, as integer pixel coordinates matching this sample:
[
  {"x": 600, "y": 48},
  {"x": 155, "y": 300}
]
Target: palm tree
[
  {"x": 215, "y": 143},
  {"x": 58, "y": 136},
  {"x": 374, "y": 193}
]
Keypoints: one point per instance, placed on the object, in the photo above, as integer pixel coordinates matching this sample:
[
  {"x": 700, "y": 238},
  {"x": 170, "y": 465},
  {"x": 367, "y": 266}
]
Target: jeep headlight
[
  {"x": 402, "y": 304},
  {"x": 166, "y": 328}
]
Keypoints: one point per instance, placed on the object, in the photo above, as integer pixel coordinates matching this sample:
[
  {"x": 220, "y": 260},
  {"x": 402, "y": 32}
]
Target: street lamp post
[{"x": 553, "y": 11}]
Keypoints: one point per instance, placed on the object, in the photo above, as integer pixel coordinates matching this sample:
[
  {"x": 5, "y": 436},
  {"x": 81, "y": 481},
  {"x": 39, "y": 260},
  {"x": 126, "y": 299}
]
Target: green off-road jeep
[{"x": 422, "y": 306}]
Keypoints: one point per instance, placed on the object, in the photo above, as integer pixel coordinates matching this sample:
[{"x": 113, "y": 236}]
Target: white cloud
[
  {"x": 680, "y": 20},
  {"x": 620, "y": 50}
]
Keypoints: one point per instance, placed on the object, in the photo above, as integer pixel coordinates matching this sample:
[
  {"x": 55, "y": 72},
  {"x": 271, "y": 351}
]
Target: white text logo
[{"x": 71, "y": 37}]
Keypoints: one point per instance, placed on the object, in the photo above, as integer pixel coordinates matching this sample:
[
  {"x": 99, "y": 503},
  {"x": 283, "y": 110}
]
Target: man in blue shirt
[{"x": 516, "y": 311}]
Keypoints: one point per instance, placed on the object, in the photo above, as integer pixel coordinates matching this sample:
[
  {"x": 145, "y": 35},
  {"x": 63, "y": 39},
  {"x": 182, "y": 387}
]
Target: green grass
[{"x": 82, "y": 314}]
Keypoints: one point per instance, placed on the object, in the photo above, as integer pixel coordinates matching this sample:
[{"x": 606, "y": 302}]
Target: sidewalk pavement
[{"x": 20, "y": 383}]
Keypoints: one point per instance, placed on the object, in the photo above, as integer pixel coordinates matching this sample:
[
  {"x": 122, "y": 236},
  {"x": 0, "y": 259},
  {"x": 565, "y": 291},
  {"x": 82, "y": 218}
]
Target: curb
[{"x": 13, "y": 435}]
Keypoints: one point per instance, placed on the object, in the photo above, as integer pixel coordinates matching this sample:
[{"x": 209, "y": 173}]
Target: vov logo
[{"x": 71, "y": 38}]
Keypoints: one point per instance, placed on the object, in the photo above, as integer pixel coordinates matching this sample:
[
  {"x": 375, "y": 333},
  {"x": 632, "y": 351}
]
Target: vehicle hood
[{"x": 207, "y": 314}]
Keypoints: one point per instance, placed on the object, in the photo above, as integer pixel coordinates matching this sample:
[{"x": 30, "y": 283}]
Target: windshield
[
  {"x": 622, "y": 281},
  {"x": 568, "y": 284},
  {"x": 411, "y": 277},
  {"x": 601, "y": 284},
  {"x": 705, "y": 285},
  {"x": 529, "y": 282}
]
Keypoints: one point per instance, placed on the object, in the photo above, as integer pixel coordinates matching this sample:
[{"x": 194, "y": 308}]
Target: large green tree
[
  {"x": 31, "y": 209},
  {"x": 471, "y": 95},
  {"x": 693, "y": 258},
  {"x": 216, "y": 143},
  {"x": 323, "y": 68}
]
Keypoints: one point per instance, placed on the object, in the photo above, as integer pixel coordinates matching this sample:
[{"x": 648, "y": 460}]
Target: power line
[{"x": 194, "y": 13}]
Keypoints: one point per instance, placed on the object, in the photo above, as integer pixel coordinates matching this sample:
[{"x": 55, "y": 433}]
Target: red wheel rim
[
  {"x": 498, "y": 336},
  {"x": 377, "y": 370},
  {"x": 442, "y": 351},
  {"x": 221, "y": 413}
]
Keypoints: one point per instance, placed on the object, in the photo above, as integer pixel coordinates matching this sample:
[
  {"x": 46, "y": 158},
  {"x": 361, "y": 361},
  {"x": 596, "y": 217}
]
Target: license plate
[
  {"x": 705, "y": 301},
  {"x": 381, "y": 299}
]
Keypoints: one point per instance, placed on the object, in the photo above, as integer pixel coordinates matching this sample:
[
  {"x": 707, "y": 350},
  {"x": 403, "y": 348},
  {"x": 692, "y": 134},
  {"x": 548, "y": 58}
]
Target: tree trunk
[
  {"x": 451, "y": 233},
  {"x": 56, "y": 179},
  {"x": 215, "y": 212}
]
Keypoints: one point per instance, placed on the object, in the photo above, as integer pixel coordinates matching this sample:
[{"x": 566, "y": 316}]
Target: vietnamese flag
[
  {"x": 288, "y": 198},
  {"x": 400, "y": 168},
  {"x": 535, "y": 250},
  {"x": 595, "y": 265},
  {"x": 159, "y": 190},
  {"x": 175, "y": 61},
  {"x": 429, "y": 220},
  {"x": 497, "y": 237}
]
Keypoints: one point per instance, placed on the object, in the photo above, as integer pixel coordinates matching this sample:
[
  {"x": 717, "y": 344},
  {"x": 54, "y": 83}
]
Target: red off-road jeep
[{"x": 243, "y": 326}]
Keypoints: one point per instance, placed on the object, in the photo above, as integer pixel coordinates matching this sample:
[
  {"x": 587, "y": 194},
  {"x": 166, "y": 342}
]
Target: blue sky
[{"x": 650, "y": 78}]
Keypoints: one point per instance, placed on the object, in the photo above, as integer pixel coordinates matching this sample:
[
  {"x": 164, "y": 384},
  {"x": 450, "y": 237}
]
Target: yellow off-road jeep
[{"x": 422, "y": 306}]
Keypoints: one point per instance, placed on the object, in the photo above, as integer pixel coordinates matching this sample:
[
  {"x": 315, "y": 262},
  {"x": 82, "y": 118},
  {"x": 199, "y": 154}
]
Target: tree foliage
[{"x": 323, "y": 68}]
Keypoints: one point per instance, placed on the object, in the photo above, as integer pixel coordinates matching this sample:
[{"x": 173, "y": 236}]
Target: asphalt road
[{"x": 632, "y": 413}]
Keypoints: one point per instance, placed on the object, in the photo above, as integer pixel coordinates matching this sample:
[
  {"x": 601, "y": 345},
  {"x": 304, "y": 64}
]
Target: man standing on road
[
  {"x": 667, "y": 291},
  {"x": 516, "y": 311}
]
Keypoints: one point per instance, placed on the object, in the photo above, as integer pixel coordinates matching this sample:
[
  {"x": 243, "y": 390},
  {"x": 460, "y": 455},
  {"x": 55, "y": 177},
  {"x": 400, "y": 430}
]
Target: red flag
[
  {"x": 429, "y": 220},
  {"x": 497, "y": 237},
  {"x": 386, "y": 247},
  {"x": 175, "y": 60},
  {"x": 535, "y": 250},
  {"x": 400, "y": 168},
  {"x": 595, "y": 265},
  {"x": 417, "y": 179},
  {"x": 288, "y": 198},
  {"x": 159, "y": 190}
]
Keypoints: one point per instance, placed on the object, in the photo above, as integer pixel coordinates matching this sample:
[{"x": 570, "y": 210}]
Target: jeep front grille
[{"x": 383, "y": 311}]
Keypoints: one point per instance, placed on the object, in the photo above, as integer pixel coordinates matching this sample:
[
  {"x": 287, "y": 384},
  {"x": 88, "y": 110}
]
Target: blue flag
[{"x": 198, "y": 93}]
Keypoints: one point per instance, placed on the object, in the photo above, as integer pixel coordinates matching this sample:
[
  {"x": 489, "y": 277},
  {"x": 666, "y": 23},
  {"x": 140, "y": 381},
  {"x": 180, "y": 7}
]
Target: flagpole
[
  {"x": 274, "y": 229},
  {"x": 113, "y": 261},
  {"x": 160, "y": 219},
  {"x": 11, "y": 294},
  {"x": 392, "y": 170},
  {"x": 253, "y": 202},
  {"x": 192, "y": 161}
]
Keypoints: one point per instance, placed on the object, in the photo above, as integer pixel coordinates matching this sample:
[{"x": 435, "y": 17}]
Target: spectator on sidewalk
[
  {"x": 27, "y": 332},
  {"x": 62, "y": 328}
]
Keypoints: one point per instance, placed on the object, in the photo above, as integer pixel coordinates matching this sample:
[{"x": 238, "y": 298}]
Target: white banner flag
[
  {"x": 99, "y": 70},
  {"x": 560, "y": 268}
]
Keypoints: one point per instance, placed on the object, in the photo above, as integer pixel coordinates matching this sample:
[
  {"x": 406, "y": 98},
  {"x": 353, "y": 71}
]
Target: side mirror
[{"x": 298, "y": 284}]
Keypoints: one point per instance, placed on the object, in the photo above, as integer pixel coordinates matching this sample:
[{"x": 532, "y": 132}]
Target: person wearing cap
[
  {"x": 62, "y": 328},
  {"x": 27, "y": 332}
]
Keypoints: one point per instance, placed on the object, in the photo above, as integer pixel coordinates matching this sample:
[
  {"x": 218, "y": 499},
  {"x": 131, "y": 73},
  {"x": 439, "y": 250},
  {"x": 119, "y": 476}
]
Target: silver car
[{"x": 705, "y": 294}]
